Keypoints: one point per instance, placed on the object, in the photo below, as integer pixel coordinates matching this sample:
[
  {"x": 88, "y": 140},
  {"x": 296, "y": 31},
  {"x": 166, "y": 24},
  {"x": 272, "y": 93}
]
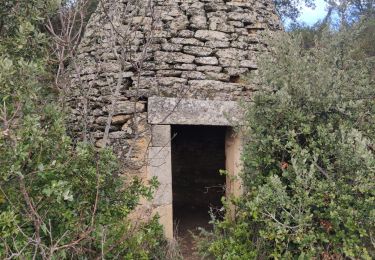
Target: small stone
[
  {"x": 242, "y": 17},
  {"x": 236, "y": 71},
  {"x": 171, "y": 47},
  {"x": 210, "y": 68},
  {"x": 239, "y": 45},
  {"x": 88, "y": 70},
  {"x": 118, "y": 135},
  {"x": 100, "y": 143},
  {"x": 126, "y": 128},
  {"x": 236, "y": 24},
  {"x": 220, "y": 24},
  {"x": 215, "y": 22},
  {"x": 97, "y": 134},
  {"x": 101, "y": 120},
  {"x": 193, "y": 75},
  {"x": 128, "y": 74},
  {"x": 144, "y": 82},
  {"x": 195, "y": 8},
  {"x": 110, "y": 67},
  {"x": 197, "y": 51},
  {"x": 207, "y": 60},
  {"x": 217, "y": 76},
  {"x": 170, "y": 81},
  {"x": 187, "y": 41},
  {"x": 146, "y": 73},
  {"x": 186, "y": 34},
  {"x": 126, "y": 107},
  {"x": 154, "y": 47},
  {"x": 173, "y": 57},
  {"x": 179, "y": 23},
  {"x": 217, "y": 44},
  {"x": 214, "y": 7},
  {"x": 207, "y": 35},
  {"x": 97, "y": 112},
  {"x": 229, "y": 62},
  {"x": 198, "y": 22},
  {"x": 120, "y": 119},
  {"x": 169, "y": 73},
  {"x": 185, "y": 66}
]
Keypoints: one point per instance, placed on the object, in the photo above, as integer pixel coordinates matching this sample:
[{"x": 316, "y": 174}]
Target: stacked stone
[
  {"x": 207, "y": 46},
  {"x": 199, "y": 49}
]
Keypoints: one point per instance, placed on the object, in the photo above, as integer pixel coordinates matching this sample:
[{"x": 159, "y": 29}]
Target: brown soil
[{"x": 188, "y": 222}]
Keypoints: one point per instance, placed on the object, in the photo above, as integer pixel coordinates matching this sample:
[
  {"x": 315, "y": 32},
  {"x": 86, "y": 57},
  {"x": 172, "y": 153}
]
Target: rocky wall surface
[{"x": 135, "y": 49}]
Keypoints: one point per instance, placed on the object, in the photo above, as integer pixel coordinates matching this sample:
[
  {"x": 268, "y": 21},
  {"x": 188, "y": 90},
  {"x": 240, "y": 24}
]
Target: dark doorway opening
[{"x": 198, "y": 153}]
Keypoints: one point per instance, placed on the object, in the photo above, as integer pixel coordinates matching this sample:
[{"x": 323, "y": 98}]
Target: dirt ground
[{"x": 187, "y": 223}]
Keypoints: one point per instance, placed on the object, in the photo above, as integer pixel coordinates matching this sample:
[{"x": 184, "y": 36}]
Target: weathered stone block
[
  {"x": 237, "y": 24},
  {"x": 184, "y": 111},
  {"x": 235, "y": 71},
  {"x": 171, "y": 47},
  {"x": 197, "y": 51},
  {"x": 217, "y": 76},
  {"x": 169, "y": 81},
  {"x": 179, "y": 23},
  {"x": 173, "y": 57},
  {"x": 242, "y": 17},
  {"x": 185, "y": 66},
  {"x": 207, "y": 60},
  {"x": 169, "y": 73},
  {"x": 217, "y": 44},
  {"x": 198, "y": 21},
  {"x": 144, "y": 82},
  {"x": 214, "y": 7},
  {"x": 101, "y": 120},
  {"x": 186, "y": 34},
  {"x": 193, "y": 75},
  {"x": 159, "y": 165},
  {"x": 207, "y": 35},
  {"x": 161, "y": 135},
  {"x": 187, "y": 41},
  {"x": 118, "y": 135},
  {"x": 220, "y": 24},
  {"x": 126, "y": 107},
  {"x": 120, "y": 119},
  {"x": 229, "y": 62},
  {"x": 210, "y": 68},
  {"x": 100, "y": 143},
  {"x": 126, "y": 128},
  {"x": 166, "y": 219}
]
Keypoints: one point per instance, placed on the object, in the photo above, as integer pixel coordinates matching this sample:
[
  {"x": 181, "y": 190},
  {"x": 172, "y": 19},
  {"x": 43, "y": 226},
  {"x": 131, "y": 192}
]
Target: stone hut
[{"x": 159, "y": 81}]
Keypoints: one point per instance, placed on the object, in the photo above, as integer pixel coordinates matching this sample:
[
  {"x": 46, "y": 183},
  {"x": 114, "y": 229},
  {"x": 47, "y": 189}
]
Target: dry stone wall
[{"x": 135, "y": 49}]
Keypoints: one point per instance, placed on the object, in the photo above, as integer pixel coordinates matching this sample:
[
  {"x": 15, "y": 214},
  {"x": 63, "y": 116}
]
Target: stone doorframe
[{"x": 164, "y": 112}]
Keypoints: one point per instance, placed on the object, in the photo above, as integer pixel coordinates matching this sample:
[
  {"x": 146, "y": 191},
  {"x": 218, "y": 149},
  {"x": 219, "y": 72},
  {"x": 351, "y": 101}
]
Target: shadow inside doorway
[{"x": 198, "y": 154}]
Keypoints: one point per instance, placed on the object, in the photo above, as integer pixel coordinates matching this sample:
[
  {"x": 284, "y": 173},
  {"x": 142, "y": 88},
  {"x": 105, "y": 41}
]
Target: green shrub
[
  {"x": 57, "y": 199},
  {"x": 309, "y": 164}
]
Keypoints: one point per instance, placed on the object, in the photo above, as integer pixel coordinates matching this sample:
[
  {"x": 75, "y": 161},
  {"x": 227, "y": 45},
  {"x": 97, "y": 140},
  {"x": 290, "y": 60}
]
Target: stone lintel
[{"x": 179, "y": 111}]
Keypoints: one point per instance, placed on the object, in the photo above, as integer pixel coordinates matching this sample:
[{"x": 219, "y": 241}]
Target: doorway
[
  {"x": 200, "y": 122},
  {"x": 198, "y": 155}
]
